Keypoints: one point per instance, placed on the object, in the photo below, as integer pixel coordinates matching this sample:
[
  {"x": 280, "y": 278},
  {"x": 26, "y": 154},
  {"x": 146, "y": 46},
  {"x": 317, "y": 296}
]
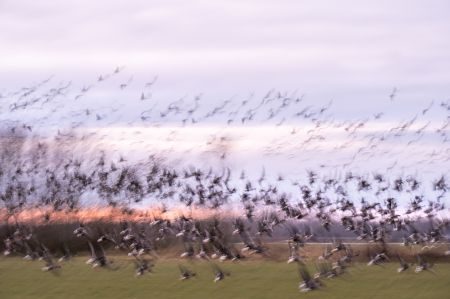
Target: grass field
[{"x": 251, "y": 279}]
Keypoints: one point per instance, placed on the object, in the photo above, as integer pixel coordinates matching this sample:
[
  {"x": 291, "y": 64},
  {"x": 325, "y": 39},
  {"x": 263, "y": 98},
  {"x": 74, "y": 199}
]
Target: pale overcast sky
[
  {"x": 323, "y": 48},
  {"x": 353, "y": 52}
]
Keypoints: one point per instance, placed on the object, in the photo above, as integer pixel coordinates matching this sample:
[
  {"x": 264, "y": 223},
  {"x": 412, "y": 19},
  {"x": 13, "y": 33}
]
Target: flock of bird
[
  {"x": 47, "y": 105},
  {"x": 266, "y": 212},
  {"x": 371, "y": 207}
]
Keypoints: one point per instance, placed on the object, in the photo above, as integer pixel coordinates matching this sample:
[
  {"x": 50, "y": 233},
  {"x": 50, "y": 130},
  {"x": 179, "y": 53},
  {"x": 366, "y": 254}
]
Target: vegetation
[{"x": 250, "y": 279}]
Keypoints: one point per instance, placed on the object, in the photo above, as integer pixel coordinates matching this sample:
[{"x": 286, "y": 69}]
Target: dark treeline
[{"x": 54, "y": 234}]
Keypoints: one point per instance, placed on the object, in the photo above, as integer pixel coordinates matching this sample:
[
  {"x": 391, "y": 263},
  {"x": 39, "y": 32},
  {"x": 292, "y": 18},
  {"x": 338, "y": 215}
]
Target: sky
[
  {"x": 362, "y": 57},
  {"x": 329, "y": 49}
]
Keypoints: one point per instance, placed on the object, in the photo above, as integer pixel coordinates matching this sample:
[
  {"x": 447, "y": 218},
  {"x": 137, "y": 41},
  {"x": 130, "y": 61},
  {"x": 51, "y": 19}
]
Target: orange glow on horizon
[{"x": 39, "y": 216}]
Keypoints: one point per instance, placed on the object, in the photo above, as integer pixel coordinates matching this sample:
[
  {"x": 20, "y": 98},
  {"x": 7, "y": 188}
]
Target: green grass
[{"x": 251, "y": 279}]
